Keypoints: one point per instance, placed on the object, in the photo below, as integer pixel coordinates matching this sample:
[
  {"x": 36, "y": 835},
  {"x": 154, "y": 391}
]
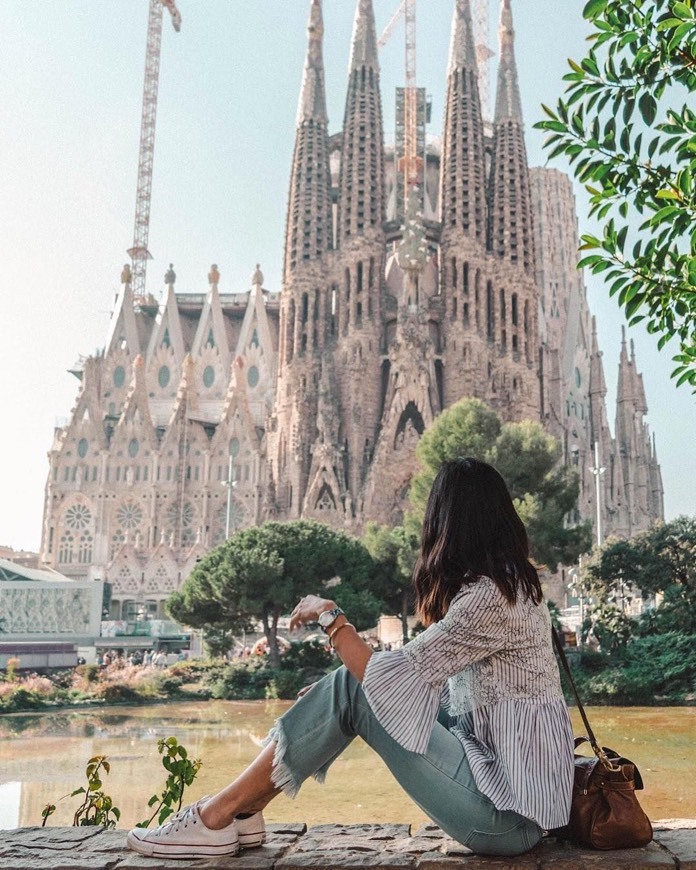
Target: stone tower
[{"x": 306, "y": 299}]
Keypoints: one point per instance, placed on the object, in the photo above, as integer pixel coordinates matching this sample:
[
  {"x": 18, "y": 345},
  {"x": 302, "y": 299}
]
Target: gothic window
[
  {"x": 78, "y": 517},
  {"x": 490, "y": 311},
  {"x": 165, "y": 339},
  {"x": 253, "y": 376},
  {"x": 503, "y": 311},
  {"x": 454, "y": 307},
  {"x": 65, "y": 548},
  {"x": 235, "y": 446},
  {"x": 515, "y": 316},
  {"x": 465, "y": 313},
  {"x": 208, "y": 377},
  {"x": 163, "y": 376},
  {"x": 305, "y": 308},
  {"x": 465, "y": 279},
  {"x": 211, "y": 338},
  {"x": 133, "y": 448},
  {"x": 84, "y": 551},
  {"x": 454, "y": 273},
  {"x": 82, "y": 448},
  {"x": 326, "y": 500},
  {"x": 254, "y": 339},
  {"x": 359, "y": 277},
  {"x": 119, "y": 376}
]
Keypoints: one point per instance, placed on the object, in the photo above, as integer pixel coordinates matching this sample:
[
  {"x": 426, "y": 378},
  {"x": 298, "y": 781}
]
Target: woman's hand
[{"x": 308, "y": 610}]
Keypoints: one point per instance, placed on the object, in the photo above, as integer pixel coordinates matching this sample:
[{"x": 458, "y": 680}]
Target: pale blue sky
[{"x": 70, "y": 93}]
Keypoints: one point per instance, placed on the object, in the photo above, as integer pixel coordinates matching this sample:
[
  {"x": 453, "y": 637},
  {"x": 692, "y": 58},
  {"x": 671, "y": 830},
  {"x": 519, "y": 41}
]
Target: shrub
[{"x": 114, "y": 693}]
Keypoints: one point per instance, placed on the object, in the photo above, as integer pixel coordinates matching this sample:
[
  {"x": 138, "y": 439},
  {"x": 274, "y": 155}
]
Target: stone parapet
[{"x": 348, "y": 847}]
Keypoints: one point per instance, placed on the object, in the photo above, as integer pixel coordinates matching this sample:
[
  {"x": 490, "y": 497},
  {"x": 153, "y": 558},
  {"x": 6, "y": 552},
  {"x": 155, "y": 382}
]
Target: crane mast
[{"x": 139, "y": 252}]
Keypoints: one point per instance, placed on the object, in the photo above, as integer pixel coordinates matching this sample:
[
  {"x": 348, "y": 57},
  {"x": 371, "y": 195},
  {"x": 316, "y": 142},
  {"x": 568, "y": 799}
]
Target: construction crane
[
  {"x": 410, "y": 164},
  {"x": 139, "y": 253}
]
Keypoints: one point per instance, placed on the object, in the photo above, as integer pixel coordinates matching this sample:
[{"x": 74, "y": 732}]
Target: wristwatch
[{"x": 328, "y": 617}]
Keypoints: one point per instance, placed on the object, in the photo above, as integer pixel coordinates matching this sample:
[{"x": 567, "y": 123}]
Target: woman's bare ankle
[{"x": 214, "y": 817}]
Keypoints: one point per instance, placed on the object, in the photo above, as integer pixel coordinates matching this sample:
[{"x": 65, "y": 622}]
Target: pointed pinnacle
[
  {"x": 508, "y": 104},
  {"x": 364, "y": 44},
  {"x": 462, "y": 45},
  {"x": 312, "y": 104}
]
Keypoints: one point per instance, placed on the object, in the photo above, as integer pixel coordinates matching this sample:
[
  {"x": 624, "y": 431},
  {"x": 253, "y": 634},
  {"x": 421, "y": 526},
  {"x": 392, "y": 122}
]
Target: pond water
[{"x": 42, "y": 758}]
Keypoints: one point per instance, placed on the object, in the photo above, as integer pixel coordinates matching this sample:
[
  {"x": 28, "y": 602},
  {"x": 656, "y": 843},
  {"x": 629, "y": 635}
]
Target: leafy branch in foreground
[
  {"x": 620, "y": 127},
  {"x": 97, "y": 808},
  {"x": 182, "y": 772}
]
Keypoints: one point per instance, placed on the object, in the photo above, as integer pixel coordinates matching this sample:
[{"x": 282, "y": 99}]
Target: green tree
[
  {"x": 394, "y": 551},
  {"x": 660, "y": 561},
  {"x": 260, "y": 574},
  {"x": 621, "y": 128},
  {"x": 544, "y": 491}
]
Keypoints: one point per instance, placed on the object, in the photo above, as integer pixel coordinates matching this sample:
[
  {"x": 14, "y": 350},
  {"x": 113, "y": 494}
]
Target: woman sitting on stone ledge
[{"x": 469, "y": 716}]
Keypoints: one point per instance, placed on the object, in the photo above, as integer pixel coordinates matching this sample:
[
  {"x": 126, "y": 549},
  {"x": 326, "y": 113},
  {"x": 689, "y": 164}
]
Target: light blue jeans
[{"x": 321, "y": 724}]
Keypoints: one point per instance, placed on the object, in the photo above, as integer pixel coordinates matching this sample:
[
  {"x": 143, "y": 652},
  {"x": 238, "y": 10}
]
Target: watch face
[{"x": 327, "y": 617}]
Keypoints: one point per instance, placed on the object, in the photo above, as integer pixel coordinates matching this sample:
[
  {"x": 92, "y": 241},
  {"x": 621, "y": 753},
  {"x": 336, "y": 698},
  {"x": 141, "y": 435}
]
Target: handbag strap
[{"x": 601, "y": 755}]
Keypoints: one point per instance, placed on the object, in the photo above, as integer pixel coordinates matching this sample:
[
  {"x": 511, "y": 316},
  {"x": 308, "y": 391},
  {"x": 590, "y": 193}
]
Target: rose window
[
  {"x": 78, "y": 516},
  {"x": 129, "y": 515}
]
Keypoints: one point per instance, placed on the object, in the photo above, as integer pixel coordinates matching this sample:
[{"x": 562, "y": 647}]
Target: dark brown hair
[{"x": 471, "y": 529}]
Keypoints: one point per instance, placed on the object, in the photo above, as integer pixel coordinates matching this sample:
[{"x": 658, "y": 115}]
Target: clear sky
[{"x": 71, "y": 76}]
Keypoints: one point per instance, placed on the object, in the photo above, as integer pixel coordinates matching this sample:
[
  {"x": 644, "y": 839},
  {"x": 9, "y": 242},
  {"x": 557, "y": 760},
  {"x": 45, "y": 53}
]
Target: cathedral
[{"x": 211, "y": 411}]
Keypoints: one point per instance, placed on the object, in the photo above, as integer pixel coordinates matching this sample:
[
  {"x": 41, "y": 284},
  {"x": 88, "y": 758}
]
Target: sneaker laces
[{"x": 182, "y": 819}]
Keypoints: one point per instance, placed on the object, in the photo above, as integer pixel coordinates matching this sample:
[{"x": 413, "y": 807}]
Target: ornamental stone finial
[
  {"x": 126, "y": 274},
  {"x": 257, "y": 277},
  {"x": 214, "y": 275},
  {"x": 170, "y": 275}
]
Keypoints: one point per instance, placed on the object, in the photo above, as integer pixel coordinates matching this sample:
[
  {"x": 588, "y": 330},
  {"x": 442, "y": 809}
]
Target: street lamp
[
  {"x": 230, "y": 483},
  {"x": 598, "y": 470}
]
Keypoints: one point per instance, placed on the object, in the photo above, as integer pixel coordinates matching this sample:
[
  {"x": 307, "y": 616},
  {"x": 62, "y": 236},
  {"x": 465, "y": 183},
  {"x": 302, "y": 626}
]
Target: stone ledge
[{"x": 348, "y": 847}]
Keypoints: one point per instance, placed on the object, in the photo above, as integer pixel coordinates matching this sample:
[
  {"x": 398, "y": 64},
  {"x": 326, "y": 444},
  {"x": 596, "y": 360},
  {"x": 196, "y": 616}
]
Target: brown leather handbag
[{"x": 604, "y": 811}]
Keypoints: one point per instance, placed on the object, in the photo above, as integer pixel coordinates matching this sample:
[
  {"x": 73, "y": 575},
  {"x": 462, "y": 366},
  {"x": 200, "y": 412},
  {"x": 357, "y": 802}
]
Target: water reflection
[{"x": 42, "y": 758}]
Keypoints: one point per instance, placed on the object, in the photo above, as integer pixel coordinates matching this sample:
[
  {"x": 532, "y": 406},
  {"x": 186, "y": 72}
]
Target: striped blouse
[{"x": 491, "y": 664}]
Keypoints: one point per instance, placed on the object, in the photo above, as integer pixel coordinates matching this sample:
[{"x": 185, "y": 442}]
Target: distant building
[
  {"x": 45, "y": 616},
  {"x": 315, "y": 397}
]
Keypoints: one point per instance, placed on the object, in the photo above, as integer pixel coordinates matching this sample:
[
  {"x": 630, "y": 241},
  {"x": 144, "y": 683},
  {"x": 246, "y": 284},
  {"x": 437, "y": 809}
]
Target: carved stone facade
[{"x": 397, "y": 301}]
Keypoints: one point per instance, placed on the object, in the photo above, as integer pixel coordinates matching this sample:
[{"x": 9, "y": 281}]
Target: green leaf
[
  {"x": 667, "y": 194},
  {"x": 595, "y": 8},
  {"x": 647, "y": 107}
]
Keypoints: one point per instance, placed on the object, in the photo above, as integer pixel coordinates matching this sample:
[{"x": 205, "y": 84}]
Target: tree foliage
[
  {"x": 261, "y": 572},
  {"x": 660, "y": 561},
  {"x": 394, "y": 551},
  {"x": 620, "y": 126},
  {"x": 544, "y": 491}
]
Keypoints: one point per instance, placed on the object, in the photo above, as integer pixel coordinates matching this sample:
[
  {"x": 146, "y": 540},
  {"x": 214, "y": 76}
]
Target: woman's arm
[{"x": 352, "y": 649}]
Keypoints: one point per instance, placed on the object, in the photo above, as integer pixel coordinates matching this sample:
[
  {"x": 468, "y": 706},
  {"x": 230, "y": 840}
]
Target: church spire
[
  {"x": 462, "y": 184},
  {"x": 312, "y": 104},
  {"x": 309, "y": 229},
  {"x": 510, "y": 210},
  {"x": 508, "y": 105},
  {"x": 361, "y": 185},
  {"x": 364, "y": 45},
  {"x": 462, "y": 46}
]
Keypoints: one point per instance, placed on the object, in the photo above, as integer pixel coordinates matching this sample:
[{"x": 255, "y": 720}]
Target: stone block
[
  {"x": 680, "y": 843},
  {"x": 430, "y": 830},
  {"x": 375, "y": 832},
  {"x": 346, "y": 860},
  {"x": 414, "y": 845},
  {"x": 562, "y": 855}
]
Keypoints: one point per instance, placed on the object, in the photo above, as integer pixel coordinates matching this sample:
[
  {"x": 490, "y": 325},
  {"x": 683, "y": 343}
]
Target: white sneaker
[
  {"x": 251, "y": 830},
  {"x": 184, "y": 837}
]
